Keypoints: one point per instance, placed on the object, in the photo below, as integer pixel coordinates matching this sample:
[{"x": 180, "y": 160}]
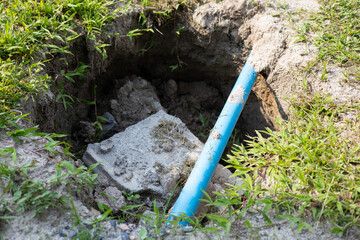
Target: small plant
[
  {"x": 67, "y": 99},
  {"x": 33, "y": 194},
  {"x": 324, "y": 74},
  {"x": 85, "y": 229},
  {"x": 204, "y": 127},
  {"x": 98, "y": 123},
  {"x": 282, "y": 5},
  {"x": 27, "y": 194},
  {"x": 138, "y": 32},
  {"x": 28, "y": 132},
  {"x": 300, "y": 38},
  {"x": 77, "y": 72},
  {"x": 309, "y": 66},
  {"x": 130, "y": 195},
  {"x": 179, "y": 64},
  {"x": 235, "y": 137},
  {"x": 81, "y": 176},
  {"x": 157, "y": 221}
]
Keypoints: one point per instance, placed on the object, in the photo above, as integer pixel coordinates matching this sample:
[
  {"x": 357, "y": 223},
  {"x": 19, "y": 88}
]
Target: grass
[
  {"x": 334, "y": 29},
  {"x": 33, "y": 32},
  {"x": 337, "y": 31},
  {"x": 307, "y": 166}
]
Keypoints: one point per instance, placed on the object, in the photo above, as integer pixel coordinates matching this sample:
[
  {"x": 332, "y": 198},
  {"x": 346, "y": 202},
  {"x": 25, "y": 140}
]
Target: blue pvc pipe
[{"x": 189, "y": 198}]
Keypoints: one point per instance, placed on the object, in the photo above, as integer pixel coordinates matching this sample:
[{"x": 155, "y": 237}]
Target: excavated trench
[{"x": 191, "y": 74}]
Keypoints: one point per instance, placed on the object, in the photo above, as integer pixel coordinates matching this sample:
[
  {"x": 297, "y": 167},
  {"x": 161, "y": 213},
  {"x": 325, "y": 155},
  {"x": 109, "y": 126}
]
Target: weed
[
  {"x": 98, "y": 123},
  {"x": 27, "y": 194},
  {"x": 282, "y": 5},
  {"x": 59, "y": 86},
  {"x": 86, "y": 230},
  {"x": 178, "y": 65},
  {"x": 204, "y": 127},
  {"x": 138, "y": 32},
  {"x": 309, "y": 66},
  {"x": 77, "y": 72},
  {"x": 33, "y": 194},
  {"x": 220, "y": 221},
  {"x": 334, "y": 31},
  {"x": 18, "y": 80},
  {"x": 84, "y": 233},
  {"x": 235, "y": 137},
  {"x": 155, "y": 220},
  {"x": 300, "y": 38},
  {"x": 324, "y": 74},
  {"x": 130, "y": 195},
  {"x": 28, "y": 132},
  {"x": 81, "y": 176}
]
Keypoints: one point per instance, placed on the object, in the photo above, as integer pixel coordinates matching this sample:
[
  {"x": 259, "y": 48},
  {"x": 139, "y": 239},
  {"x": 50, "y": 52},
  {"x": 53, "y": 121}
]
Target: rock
[
  {"x": 124, "y": 236},
  {"x": 62, "y": 233},
  {"x": 112, "y": 235},
  {"x": 150, "y": 157},
  {"x": 170, "y": 179},
  {"x": 135, "y": 101},
  {"x": 106, "y": 146},
  {"x": 108, "y": 196},
  {"x": 124, "y": 227}
]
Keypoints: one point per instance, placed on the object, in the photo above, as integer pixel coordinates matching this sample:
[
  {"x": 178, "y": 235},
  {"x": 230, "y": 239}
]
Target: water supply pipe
[{"x": 190, "y": 196}]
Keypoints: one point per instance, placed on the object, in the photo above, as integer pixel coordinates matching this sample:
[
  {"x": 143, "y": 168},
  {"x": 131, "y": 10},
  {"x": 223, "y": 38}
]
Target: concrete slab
[{"x": 150, "y": 157}]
